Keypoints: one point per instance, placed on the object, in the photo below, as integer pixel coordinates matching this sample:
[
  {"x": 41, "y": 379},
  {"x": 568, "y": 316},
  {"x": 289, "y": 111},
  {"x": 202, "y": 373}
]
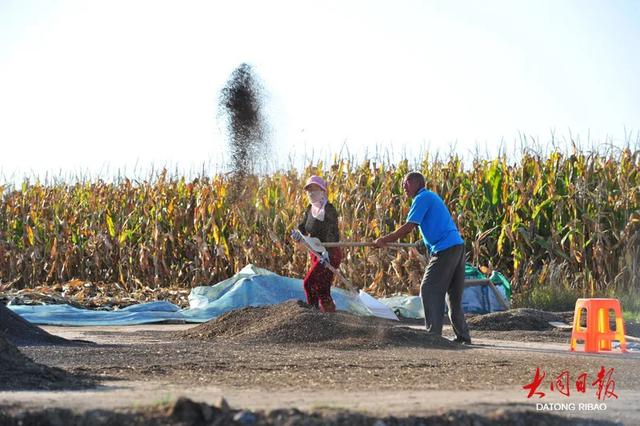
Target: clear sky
[{"x": 96, "y": 86}]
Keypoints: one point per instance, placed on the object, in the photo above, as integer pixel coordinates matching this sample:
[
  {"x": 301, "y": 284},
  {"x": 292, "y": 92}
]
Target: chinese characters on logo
[{"x": 603, "y": 384}]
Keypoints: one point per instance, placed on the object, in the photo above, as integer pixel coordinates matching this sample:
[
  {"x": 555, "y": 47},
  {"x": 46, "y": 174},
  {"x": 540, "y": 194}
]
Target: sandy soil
[{"x": 145, "y": 365}]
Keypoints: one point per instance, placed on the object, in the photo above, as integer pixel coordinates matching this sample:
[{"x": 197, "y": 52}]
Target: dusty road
[{"x": 145, "y": 365}]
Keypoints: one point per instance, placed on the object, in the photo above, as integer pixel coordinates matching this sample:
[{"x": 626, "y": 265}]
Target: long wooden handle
[
  {"x": 342, "y": 278},
  {"x": 336, "y": 271},
  {"x": 368, "y": 244}
]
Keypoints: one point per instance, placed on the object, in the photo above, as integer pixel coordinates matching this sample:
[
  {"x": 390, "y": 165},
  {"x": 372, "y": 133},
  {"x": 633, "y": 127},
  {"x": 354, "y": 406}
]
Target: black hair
[{"x": 416, "y": 177}]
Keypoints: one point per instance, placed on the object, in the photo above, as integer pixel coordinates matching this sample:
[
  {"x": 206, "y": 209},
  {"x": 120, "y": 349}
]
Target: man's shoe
[{"x": 461, "y": 341}]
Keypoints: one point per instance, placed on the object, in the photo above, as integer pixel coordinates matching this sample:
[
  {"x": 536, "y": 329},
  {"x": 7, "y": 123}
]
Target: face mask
[{"x": 315, "y": 196}]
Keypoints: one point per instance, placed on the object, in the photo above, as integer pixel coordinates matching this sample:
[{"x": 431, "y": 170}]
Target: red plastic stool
[{"x": 597, "y": 335}]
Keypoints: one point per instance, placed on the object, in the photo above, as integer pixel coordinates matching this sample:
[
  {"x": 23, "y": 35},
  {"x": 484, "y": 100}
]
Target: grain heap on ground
[
  {"x": 20, "y": 373},
  {"x": 21, "y": 332},
  {"x": 296, "y": 322},
  {"x": 514, "y": 319}
]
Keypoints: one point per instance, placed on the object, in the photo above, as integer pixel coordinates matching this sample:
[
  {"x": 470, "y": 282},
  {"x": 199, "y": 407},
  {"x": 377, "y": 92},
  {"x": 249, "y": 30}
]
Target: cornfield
[{"x": 552, "y": 220}]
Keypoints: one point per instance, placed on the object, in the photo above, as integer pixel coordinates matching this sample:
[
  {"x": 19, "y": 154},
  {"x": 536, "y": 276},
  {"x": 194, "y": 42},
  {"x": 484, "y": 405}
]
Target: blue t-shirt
[{"x": 429, "y": 212}]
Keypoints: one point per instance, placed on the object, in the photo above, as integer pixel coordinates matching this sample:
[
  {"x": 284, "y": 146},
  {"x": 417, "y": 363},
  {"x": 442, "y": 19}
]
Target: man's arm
[{"x": 395, "y": 235}]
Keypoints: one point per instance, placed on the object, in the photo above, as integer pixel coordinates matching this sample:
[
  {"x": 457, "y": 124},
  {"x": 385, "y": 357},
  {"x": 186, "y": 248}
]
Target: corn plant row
[{"x": 578, "y": 214}]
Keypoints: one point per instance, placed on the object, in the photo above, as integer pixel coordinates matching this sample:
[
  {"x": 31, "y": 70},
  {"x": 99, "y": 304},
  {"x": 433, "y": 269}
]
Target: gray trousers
[{"x": 443, "y": 281}]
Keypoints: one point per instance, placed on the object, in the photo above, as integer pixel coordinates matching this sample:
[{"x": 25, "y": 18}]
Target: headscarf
[{"x": 318, "y": 200}]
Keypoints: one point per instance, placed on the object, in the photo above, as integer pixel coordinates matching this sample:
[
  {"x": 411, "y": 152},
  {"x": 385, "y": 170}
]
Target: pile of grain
[
  {"x": 20, "y": 373},
  {"x": 514, "y": 319},
  {"x": 21, "y": 332},
  {"x": 295, "y": 322}
]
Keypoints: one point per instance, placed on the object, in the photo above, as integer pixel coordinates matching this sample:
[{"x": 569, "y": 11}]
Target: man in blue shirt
[{"x": 443, "y": 280}]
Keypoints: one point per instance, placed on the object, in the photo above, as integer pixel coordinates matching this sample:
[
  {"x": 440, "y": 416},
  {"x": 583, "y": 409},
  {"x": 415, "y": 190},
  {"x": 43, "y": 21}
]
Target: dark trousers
[
  {"x": 317, "y": 282},
  {"x": 443, "y": 282}
]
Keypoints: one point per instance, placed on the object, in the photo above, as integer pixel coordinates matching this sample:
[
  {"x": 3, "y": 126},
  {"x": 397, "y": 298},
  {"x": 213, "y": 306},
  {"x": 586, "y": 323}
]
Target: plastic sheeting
[
  {"x": 68, "y": 315},
  {"x": 475, "y": 299},
  {"x": 480, "y": 299},
  {"x": 252, "y": 286}
]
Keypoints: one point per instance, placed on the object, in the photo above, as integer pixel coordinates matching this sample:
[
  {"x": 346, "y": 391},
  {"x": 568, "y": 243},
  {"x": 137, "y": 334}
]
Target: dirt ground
[{"x": 373, "y": 370}]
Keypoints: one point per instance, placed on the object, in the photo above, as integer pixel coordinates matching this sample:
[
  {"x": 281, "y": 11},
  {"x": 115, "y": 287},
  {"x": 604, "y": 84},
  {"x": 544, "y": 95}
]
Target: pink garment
[
  {"x": 316, "y": 180},
  {"x": 318, "y": 200}
]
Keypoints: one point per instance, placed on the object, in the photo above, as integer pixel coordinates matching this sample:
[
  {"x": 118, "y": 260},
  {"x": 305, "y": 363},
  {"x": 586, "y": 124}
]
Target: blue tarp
[
  {"x": 476, "y": 299},
  {"x": 482, "y": 300},
  {"x": 252, "y": 286},
  {"x": 69, "y": 315}
]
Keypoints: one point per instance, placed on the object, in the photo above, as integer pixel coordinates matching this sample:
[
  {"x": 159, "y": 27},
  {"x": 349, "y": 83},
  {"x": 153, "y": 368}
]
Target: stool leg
[
  {"x": 591, "y": 343},
  {"x": 604, "y": 342},
  {"x": 620, "y": 329},
  {"x": 577, "y": 314}
]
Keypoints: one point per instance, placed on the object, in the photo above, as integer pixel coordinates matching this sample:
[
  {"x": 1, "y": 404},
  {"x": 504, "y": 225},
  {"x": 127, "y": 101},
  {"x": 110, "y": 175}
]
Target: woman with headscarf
[{"x": 320, "y": 221}]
